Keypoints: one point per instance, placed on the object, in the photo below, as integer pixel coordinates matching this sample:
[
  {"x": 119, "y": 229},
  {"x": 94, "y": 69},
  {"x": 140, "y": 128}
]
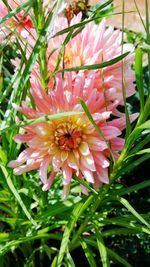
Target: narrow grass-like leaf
[
  {"x": 54, "y": 262},
  {"x": 96, "y": 66},
  {"x": 148, "y": 38},
  {"x": 133, "y": 164},
  {"x": 69, "y": 260},
  {"x": 141, "y": 144},
  {"x": 140, "y": 15},
  {"x": 145, "y": 114},
  {"x": 134, "y": 188},
  {"x": 88, "y": 253},
  {"x": 139, "y": 76},
  {"x": 17, "y": 196},
  {"x": 103, "y": 5},
  {"x": 113, "y": 255},
  {"x": 125, "y": 203},
  {"x": 143, "y": 151},
  {"x": 84, "y": 183},
  {"x": 84, "y": 106},
  {"x": 61, "y": 52},
  {"x": 55, "y": 209},
  {"x": 129, "y": 224},
  {"x": 117, "y": 258},
  {"x": 48, "y": 24},
  {"x": 42, "y": 119},
  {"x": 128, "y": 125},
  {"x": 102, "y": 248},
  {"x": 84, "y": 22},
  {"x": 119, "y": 231},
  {"x": 76, "y": 213},
  {"x": 15, "y": 243}
]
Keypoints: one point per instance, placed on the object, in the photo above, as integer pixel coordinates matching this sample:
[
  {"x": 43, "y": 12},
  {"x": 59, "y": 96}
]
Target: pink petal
[
  {"x": 88, "y": 162},
  {"x": 73, "y": 162},
  {"x": 88, "y": 175},
  {"x": 102, "y": 175},
  {"x": 110, "y": 132},
  {"x": 49, "y": 182},
  {"x": 26, "y": 168},
  {"x": 43, "y": 169},
  {"x": 96, "y": 144},
  {"x": 100, "y": 160},
  {"x": 23, "y": 138},
  {"x": 84, "y": 149},
  {"x": 67, "y": 174}
]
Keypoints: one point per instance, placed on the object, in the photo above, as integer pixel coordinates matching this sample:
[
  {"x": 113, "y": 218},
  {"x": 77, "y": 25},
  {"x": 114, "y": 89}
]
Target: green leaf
[
  {"x": 84, "y": 183},
  {"x": 110, "y": 252},
  {"x": 145, "y": 113},
  {"x": 17, "y": 196},
  {"x": 143, "y": 151},
  {"x": 129, "y": 224},
  {"x": 96, "y": 66},
  {"x": 15, "y": 243},
  {"x": 48, "y": 26},
  {"x": 102, "y": 248},
  {"x": 128, "y": 124},
  {"x": 76, "y": 213},
  {"x": 3, "y": 156},
  {"x": 88, "y": 253},
  {"x": 97, "y": 128},
  {"x": 117, "y": 258},
  {"x": 148, "y": 39},
  {"x": 125, "y": 203},
  {"x": 69, "y": 260},
  {"x": 145, "y": 125},
  {"x": 54, "y": 262},
  {"x": 42, "y": 119},
  {"x": 134, "y": 188},
  {"x": 139, "y": 76},
  {"x": 141, "y": 144},
  {"x": 132, "y": 165}
]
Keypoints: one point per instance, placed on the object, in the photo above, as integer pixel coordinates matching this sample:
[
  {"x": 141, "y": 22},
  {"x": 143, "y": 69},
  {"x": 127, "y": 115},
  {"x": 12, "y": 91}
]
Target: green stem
[
  {"x": 148, "y": 38},
  {"x": 42, "y": 53},
  {"x": 96, "y": 202}
]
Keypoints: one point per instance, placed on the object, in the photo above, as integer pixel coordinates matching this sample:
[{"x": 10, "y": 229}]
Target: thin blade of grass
[
  {"x": 139, "y": 76},
  {"x": 148, "y": 38},
  {"x": 48, "y": 25},
  {"x": 117, "y": 258},
  {"x": 87, "y": 112},
  {"x": 81, "y": 24},
  {"x": 128, "y": 124},
  {"x": 17, "y": 196},
  {"x": 88, "y": 253},
  {"x": 96, "y": 66},
  {"x": 125, "y": 203},
  {"x": 76, "y": 213},
  {"x": 134, "y": 188},
  {"x": 41, "y": 119},
  {"x": 84, "y": 183},
  {"x": 102, "y": 248}
]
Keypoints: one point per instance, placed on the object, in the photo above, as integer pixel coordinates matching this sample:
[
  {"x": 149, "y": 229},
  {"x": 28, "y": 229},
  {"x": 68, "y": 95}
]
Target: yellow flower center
[{"x": 68, "y": 136}]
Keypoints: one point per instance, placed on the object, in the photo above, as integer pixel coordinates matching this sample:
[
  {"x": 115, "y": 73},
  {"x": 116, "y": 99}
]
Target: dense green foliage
[{"x": 111, "y": 226}]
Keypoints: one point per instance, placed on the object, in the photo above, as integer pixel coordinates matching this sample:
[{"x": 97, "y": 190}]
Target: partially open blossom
[
  {"x": 71, "y": 145},
  {"x": 93, "y": 45}
]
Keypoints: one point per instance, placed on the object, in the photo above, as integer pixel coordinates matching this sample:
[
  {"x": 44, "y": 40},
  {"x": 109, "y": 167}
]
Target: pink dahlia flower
[
  {"x": 71, "y": 145},
  {"x": 93, "y": 45},
  {"x": 22, "y": 22}
]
